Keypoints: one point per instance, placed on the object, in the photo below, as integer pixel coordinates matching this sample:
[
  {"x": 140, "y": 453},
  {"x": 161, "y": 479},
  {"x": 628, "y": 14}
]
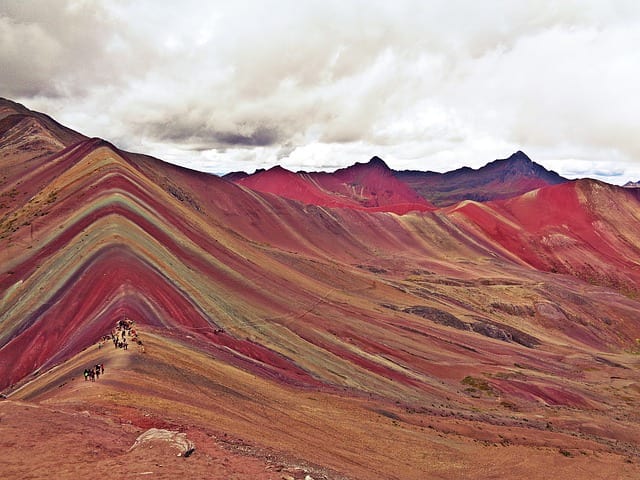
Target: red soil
[
  {"x": 371, "y": 187},
  {"x": 582, "y": 228}
]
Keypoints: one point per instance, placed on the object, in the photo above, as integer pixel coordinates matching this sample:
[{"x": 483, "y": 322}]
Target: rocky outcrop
[{"x": 178, "y": 440}]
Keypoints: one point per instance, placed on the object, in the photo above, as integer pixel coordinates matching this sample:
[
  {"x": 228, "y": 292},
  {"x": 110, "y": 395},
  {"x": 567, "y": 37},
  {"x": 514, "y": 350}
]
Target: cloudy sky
[{"x": 222, "y": 86}]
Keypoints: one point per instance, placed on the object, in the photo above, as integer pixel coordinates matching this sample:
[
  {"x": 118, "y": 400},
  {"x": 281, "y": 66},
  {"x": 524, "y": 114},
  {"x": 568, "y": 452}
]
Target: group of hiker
[
  {"x": 124, "y": 328},
  {"x": 122, "y": 334},
  {"x": 93, "y": 373}
]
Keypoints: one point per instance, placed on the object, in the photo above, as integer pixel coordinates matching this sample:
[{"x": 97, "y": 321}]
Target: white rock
[{"x": 178, "y": 439}]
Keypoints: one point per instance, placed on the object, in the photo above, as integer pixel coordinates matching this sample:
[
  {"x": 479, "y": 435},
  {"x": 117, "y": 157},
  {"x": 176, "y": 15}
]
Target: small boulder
[{"x": 177, "y": 439}]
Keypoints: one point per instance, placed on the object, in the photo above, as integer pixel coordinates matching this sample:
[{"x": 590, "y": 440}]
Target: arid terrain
[{"x": 299, "y": 325}]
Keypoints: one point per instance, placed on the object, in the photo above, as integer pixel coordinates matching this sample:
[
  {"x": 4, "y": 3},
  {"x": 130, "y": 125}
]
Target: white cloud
[{"x": 430, "y": 85}]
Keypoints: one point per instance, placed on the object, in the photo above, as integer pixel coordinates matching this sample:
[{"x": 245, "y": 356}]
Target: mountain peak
[
  {"x": 375, "y": 163},
  {"x": 502, "y": 178},
  {"x": 378, "y": 162},
  {"x": 277, "y": 169},
  {"x": 520, "y": 156}
]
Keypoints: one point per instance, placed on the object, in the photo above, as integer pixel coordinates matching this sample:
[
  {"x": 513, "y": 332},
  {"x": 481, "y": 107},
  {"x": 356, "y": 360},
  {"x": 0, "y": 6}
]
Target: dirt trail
[
  {"x": 70, "y": 373},
  {"x": 59, "y": 425}
]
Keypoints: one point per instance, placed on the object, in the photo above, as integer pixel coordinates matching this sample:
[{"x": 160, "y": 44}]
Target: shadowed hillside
[{"x": 289, "y": 339}]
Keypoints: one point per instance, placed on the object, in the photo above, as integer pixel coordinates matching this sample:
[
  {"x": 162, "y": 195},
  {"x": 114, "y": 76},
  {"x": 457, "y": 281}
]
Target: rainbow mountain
[{"x": 359, "y": 330}]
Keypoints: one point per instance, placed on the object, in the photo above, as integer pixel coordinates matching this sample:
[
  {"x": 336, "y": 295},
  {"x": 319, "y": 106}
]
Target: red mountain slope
[
  {"x": 369, "y": 186},
  {"x": 584, "y": 228}
]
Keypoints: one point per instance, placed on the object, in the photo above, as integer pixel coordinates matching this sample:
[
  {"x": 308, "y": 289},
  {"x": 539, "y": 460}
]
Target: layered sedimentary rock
[{"x": 478, "y": 311}]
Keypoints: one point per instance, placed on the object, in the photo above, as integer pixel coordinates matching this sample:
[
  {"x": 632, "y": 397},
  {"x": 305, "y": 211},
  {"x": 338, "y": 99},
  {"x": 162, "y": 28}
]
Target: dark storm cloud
[
  {"x": 207, "y": 139},
  {"x": 199, "y": 131},
  {"x": 259, "y": 137}
]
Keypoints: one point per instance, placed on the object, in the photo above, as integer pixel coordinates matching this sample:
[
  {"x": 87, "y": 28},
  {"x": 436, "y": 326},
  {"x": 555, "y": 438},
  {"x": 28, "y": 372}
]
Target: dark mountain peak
[
  {"x": 374, "y": 166},
  {"x": 502, "y": 178},
  {"x": 519, "y": 156},
  {"x": 374, "y": 163},
  {"x": 519, "y": 164},
  {"x": 378, "y": 163}
]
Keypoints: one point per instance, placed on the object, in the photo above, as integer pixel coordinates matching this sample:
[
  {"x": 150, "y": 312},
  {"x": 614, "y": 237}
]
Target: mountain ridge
[
  {"x": 369, "y": 186},
  {"x": 498, "y": 179}
]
